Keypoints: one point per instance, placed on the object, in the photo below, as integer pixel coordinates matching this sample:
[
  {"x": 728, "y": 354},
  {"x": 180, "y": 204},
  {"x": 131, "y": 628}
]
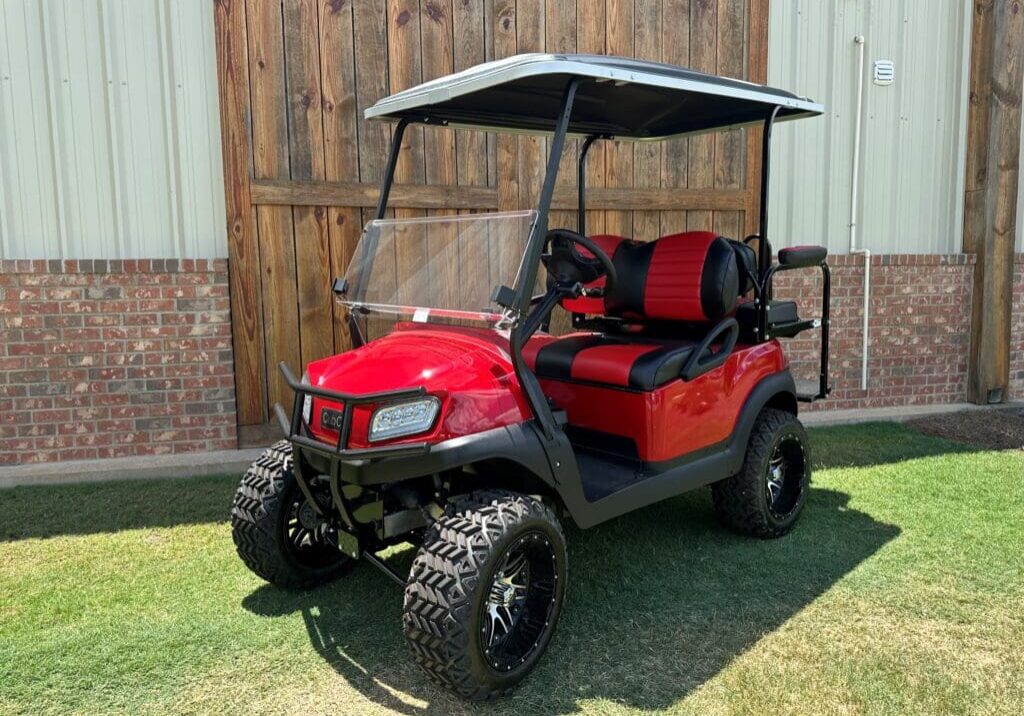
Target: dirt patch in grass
[{"x": 993, "y": 429}]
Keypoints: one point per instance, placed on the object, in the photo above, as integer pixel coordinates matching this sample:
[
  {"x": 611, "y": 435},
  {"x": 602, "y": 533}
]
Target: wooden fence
[{"x": 302, "y": 167}]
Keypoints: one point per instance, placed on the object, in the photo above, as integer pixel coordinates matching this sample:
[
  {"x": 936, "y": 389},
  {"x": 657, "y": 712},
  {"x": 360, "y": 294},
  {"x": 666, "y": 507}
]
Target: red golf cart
[{"x": 460, "y": 424}]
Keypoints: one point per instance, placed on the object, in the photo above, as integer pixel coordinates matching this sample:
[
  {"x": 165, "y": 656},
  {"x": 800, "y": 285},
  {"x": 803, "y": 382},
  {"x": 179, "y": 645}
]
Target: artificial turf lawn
[{"x": 901, "y": 591}]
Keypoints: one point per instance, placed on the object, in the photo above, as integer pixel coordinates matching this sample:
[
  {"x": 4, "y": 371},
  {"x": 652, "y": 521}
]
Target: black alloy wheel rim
[
  {"x": 784, "y": 478},
  {"x": 520, "y": 599},
  {"x": 310, "y": 539}
]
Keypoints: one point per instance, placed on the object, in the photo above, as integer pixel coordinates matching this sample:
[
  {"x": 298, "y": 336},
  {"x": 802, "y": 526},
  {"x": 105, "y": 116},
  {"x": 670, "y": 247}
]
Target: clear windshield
[{"x": 441, "y": 268}]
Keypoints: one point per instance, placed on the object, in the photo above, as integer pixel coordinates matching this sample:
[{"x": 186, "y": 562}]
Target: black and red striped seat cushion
[
  {"x": 693, "y": 277},
  {"x": 632, "y": 362}
]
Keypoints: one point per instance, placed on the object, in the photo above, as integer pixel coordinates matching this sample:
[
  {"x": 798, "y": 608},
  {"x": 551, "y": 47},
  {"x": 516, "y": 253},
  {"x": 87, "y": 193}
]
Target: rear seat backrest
[{"x": 692, "y": 276}]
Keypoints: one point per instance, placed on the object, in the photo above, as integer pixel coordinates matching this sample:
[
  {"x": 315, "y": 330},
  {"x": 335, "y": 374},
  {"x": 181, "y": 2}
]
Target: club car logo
[{"x": 331, "y": 419}]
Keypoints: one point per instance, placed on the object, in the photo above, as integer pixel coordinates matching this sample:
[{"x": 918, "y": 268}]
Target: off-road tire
[
  {"x": 258, "y": 514},
  {"x": 449, "y": 584},
  {"x": 742, "y": 501}
]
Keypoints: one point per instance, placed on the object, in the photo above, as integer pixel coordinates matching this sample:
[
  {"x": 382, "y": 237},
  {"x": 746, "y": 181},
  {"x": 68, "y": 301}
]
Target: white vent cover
[{"x": 884, "y": 72}]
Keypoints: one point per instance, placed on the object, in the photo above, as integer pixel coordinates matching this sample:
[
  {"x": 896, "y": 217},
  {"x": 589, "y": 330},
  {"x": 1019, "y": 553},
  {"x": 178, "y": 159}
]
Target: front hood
[
  {"x": 436, "y": 358},
  {"x": 468, "y": 369}
]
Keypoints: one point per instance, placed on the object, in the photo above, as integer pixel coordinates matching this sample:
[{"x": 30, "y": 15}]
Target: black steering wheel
[{"x": 568, "y": 267}]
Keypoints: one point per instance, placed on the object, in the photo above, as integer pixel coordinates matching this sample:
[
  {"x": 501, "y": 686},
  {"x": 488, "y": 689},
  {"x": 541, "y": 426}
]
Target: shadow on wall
[{"x": 660, "y": 601}]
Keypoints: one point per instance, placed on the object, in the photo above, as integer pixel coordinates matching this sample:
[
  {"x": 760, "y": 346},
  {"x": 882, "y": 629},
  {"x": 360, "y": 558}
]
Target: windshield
[{"x": 440, "y": 268}]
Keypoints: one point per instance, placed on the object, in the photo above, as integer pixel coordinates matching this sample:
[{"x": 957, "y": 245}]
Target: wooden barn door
[{"x": 302, "y": 166}]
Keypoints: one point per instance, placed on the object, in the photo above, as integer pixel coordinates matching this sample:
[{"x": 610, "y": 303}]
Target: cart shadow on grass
[{"x": 661, "y": 601}]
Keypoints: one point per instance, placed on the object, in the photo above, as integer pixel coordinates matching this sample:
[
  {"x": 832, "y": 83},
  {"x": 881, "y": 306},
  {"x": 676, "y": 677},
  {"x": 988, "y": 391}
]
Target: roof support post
[
  {"x": 530, "y": 267},
  {"x": 990, "y": 201},
  {"x": 581, "y": 184}
]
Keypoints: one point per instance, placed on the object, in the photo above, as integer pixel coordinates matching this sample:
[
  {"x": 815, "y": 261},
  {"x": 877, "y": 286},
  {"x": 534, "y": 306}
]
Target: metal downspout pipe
[{"x": 859, "y": 40}]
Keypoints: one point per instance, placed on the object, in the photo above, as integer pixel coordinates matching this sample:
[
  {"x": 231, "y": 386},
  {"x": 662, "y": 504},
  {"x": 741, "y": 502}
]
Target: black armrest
[
  {"x": 802, "y": 256},
  {"x": 702, "y": 360}
]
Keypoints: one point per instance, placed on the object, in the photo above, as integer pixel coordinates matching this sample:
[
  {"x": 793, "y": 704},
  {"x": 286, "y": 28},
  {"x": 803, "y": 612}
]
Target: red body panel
[
  {"x": 471, "y": 371},
  {"x": 679, "y": 417}
]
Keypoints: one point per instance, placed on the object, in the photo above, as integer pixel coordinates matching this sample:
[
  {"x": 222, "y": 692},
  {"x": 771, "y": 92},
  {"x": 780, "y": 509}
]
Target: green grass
[{"x": 900, "y": 592}]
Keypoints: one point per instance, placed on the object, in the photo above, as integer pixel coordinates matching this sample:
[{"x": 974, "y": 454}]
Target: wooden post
[
  {"x": 990, "y": 202},
  {"x": 243, "y": 249}
]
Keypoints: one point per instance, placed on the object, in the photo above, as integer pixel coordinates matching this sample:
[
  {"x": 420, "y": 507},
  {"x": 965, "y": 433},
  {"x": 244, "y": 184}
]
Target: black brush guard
[{"x": 336, "y": 456}]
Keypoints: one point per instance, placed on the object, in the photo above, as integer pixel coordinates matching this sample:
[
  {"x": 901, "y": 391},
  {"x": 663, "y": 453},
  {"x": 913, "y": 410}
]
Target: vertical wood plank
[
  {"x": 472, "y": 154},
  {"x": 997, "y": 71},
  {"x": 470, "y": 49},
  {"x": 700, "y": 171},
  {"x": 405, "y": 70},
  {"x": 729, "y": 146},
  {"x": 306, "y": 162},
  {"x": 243, "y": 246},
  {"x": 757, "y": 71},
  {"x": 675, "y": 29},
  {"x": 619, "y": 155},
  {"x": 438, "y": 60},
  {"x": 438, "y": 52},
  {"x": 530, "y": 36},
  {"x": 341, "y": 158},
  {"x": 270, "y": 161},
  {"x": 647, "y": 160},
  {"x": 560, "y": 35},
  {"x": 369, "y": 19},
  {"x": 591, "y": 17},
  {"x": 505, "y": 42}
]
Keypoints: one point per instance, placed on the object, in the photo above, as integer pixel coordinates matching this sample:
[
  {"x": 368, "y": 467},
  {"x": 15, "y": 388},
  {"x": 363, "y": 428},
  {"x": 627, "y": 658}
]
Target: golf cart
[{"x": 469, "y": 430}]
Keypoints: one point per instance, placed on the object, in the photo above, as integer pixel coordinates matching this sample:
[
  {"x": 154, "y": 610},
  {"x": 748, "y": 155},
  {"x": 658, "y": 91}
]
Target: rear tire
[
  {"x": 767, "y": 496},
  {"x": 276, "y": 533},
  {"x": 484, "y": 592}
]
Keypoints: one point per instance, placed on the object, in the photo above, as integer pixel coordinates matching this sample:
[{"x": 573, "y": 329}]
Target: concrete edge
[
  {"x": 897, "y": 414},
  {"x": 235, "y": 462},
  {"x": 143, "y": 467}
]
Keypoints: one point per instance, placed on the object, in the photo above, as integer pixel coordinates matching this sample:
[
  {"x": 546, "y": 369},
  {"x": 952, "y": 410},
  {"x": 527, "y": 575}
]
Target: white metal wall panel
[
  {"x": 109, "y": 130},
  {"x": 913, "y": 133}
]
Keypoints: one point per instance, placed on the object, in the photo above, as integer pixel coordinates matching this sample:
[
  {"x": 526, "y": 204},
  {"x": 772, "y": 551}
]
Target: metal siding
[
  {"x": 913, "y": 131},
  {"x": 109, "y": 130}
]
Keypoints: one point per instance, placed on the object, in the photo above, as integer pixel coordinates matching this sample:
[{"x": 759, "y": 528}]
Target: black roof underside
[{"x": 620, "y": 97}]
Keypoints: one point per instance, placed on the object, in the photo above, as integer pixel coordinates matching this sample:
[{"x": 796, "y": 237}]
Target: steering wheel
[{"x": 566, "y": 265}]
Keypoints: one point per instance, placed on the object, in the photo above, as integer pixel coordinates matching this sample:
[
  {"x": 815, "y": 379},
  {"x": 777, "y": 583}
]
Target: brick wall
[
  {"x": 1017, "y": 332},
  {"x": 114, "y": 358},
  {"x": 919, "y": 328}
]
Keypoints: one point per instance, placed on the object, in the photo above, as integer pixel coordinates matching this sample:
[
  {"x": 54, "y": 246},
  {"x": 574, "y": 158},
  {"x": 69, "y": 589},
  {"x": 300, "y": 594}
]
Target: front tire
[
  {"x": 767, "y": 496},
  {"x": 485, "y": 592},
  {"x": 277, "y": 534}
]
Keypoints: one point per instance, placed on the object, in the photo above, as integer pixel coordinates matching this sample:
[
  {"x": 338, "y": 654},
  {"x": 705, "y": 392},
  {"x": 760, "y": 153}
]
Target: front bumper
[{"x": 335, "y": 458}]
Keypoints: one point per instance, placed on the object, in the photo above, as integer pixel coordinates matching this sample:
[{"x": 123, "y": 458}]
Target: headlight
[
  {"x": 307, "y": 401},
  {"x": 392, "y": 421}
]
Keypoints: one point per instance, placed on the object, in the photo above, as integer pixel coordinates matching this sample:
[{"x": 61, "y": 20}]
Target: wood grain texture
[
  {"x": 303, "y": 166},
  {"x": 675, "y": 49},
  {"x": 243, "y": 245},
  {"x": 996, "y": 77},
  {"x": 647, "y": 157},
  {"x": 618, "y": 156},
  {"x": 700, "y": 157},
  {"x": 424, "y": 196},
  {"x": 757, "y": 71},
  {"x": 270, "y": 160},
  {"x": 341, "y": 150},
  {"x": 306, "y": 162}
]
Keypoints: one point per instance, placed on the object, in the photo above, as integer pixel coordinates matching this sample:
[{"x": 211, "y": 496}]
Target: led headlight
[
  {"x": 392, "y": 421},
  {"x": 307, "y": 401}
]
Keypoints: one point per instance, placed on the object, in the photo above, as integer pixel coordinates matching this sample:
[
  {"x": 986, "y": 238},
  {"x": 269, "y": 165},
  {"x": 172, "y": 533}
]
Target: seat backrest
[{"x": 692, "y": 276}]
